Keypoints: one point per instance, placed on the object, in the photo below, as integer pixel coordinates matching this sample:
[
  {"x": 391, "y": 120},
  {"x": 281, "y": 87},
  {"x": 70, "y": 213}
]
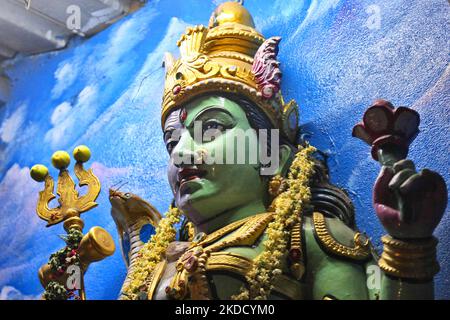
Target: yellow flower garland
[
  {"x": 288, "y": 207},
  {"x": 151, "y": 253}
]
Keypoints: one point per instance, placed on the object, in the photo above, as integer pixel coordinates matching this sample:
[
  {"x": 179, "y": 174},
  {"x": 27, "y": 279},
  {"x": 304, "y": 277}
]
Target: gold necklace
[{"x": 190, "y": 277}]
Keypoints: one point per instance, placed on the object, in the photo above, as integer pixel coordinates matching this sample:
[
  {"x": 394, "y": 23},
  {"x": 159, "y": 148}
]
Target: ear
[{"x": 285, "y": 155}]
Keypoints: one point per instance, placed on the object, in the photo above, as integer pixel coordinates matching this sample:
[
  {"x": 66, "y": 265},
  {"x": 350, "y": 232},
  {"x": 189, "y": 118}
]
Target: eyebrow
[{"x": 169, "y": 128}]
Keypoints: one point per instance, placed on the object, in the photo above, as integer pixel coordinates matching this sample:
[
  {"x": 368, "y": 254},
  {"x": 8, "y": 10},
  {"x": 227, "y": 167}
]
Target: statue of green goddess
[{"x": 259, "y": 217}]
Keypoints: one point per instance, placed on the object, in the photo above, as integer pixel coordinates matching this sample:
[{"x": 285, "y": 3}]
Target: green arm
[{"x": 329, "y": 276}]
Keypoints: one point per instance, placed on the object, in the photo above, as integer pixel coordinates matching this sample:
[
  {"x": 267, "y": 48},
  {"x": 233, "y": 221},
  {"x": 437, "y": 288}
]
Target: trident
[{"x": 97, "y": 244}]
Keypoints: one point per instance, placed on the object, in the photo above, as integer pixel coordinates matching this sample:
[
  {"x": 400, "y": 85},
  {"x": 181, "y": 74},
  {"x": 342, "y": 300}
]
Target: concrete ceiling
[{"x": 35, "y": 26}]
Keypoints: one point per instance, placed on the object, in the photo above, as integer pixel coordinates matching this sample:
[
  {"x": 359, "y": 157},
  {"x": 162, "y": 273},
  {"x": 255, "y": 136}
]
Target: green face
[{"x": 209, "y": 174}]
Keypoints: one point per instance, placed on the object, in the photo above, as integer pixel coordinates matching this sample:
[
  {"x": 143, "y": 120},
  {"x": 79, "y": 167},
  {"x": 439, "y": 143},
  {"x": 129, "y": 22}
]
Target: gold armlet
[
  {"x": 415, "y": 259},
  {"x": 361, "y": 245}
]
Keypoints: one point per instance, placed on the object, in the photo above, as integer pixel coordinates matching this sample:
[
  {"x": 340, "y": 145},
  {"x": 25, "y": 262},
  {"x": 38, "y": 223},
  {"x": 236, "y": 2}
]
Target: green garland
[
  {"x": 59, "y": 262},
  {"x": 55, "y": 291}
]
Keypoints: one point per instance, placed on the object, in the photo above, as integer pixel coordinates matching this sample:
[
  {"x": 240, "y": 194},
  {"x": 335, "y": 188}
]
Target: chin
[
  {"x": 188, "y": 207},
  {"x": 195, "y": 204},
  {"x": 182, "y": 202},
  {"x": 188, "y": 194},
  {"x": 193, "y": 190}
]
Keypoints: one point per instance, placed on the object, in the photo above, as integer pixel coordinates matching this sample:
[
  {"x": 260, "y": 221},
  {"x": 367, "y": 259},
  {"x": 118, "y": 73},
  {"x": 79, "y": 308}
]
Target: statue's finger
[
  {"x": 404, "y": 164},
  {"x": 425, "y": 181},
  {"x": 400, "y": 178},
  {"x": 415, "y": 183}
]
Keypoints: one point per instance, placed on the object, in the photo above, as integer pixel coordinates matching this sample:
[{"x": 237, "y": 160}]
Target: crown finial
[{"x": 231, "y": 12}]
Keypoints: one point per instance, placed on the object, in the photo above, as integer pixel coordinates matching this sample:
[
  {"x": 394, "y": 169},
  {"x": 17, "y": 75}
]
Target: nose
[
  {"x": 184, "y": 151},
  {"x": 184, "y": 157}
]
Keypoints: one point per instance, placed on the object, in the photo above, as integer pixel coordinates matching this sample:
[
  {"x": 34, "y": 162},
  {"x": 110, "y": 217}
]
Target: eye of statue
[
  {"x": 170, "y": 146},
  {"x": 169, "y": 141},
  {"x": 213, "y": 124},
  {"x": 215, "y": 118}
]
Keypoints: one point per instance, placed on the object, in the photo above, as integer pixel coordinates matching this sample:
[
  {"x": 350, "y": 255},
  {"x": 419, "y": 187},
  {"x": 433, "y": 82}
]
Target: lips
[{"x": 186, "y": 174}]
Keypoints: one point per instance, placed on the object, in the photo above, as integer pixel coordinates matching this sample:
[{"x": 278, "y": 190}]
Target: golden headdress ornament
[{"x": 229, "y": 56}]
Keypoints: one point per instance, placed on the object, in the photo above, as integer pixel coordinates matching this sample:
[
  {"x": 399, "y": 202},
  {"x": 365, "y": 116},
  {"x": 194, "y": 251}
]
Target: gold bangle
[{"x": 414, "y": 259}]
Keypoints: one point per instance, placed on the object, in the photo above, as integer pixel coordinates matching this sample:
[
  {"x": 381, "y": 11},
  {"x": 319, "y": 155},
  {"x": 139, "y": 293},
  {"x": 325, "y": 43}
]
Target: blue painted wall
[{"x": 105, "y": 92}]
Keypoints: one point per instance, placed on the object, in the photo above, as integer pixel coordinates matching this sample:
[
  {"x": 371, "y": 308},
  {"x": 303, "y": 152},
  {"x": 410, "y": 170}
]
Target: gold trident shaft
[{"x": 97, "y": 244}]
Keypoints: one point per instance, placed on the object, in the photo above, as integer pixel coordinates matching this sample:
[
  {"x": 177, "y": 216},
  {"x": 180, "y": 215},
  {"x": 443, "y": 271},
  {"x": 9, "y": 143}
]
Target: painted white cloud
[
  {"x": 218, "y": 2},
  {"x": 319, "y": 8},
  {"x": 316, "y": 10},
  {"x": 282, "y": 9},
  {"x": 60, "y": 113},
  {"x": 65, "y": 76},
  {"x": 105, "y": 58},
  {"x": 120, "y": 44},
  {"x": 69, "y": 121},
  {"x": 19, "y": 223},
  {"x": 124, "y": 38},
  {"x": 14, "y": 269},
  {"x": 86, "y": 96},
  {"x": 108, "y": 175},
  {"x": 11, "y": 126},
  {"x": 18, "y": 196},
  {"x": 11, "y": 293},
  {"x": 137, "y": 92}
]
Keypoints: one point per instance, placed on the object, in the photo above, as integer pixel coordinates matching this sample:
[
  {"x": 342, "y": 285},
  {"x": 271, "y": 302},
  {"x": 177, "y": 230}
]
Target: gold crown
[{"x": 229, "y": 56}]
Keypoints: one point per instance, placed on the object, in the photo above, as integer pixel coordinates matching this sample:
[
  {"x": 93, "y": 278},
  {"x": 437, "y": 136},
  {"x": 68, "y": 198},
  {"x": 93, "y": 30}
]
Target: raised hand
[{"x": 409, "y": 204}]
